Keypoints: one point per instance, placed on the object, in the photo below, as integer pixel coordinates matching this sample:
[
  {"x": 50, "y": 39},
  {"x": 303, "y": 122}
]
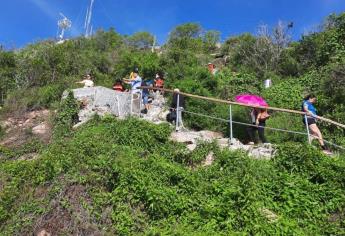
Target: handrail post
[
  {"x": 140, "y": 100},
  {"x": 307, "y": 126},
  {"x": 131, "y": 108},
  {"x": 230, "y": 123},
  {"x": 177, "y": 112}
]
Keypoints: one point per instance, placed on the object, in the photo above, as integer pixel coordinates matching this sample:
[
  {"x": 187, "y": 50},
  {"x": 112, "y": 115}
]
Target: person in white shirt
[
  {"x": 87, "y": 81},
  {"x": 135, "y": 82}
]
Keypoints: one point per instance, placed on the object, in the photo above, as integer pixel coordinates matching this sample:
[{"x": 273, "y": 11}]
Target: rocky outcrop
[
  {"x": 263, "y": 151},
  {"x": 100, "y": 100},
  {"x": 191, "y": 138},
  {"x": 158, "y": 110}
]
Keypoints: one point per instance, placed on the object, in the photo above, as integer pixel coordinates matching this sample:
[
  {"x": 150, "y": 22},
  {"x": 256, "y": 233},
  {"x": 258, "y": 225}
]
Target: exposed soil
[{"x": 18, "y": 130}]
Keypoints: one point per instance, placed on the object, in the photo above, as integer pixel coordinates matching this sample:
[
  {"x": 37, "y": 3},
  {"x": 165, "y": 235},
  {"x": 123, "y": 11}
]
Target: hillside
[
  {"x": 109, "y": 178},
  {"x": 126, "y": 177}
]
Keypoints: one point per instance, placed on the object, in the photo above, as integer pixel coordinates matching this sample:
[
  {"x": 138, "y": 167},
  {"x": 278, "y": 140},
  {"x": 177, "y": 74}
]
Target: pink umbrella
[{"x": 251, "y": 100}]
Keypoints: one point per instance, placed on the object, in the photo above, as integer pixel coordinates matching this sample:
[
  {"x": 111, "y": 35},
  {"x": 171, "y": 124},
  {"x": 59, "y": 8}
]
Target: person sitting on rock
[{"x": 87, "y": 81}]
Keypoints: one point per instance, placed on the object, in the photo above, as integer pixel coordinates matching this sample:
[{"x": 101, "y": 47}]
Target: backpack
[
  {"x": 171, "y": 116},
  {"x": 264, "y": 115}
]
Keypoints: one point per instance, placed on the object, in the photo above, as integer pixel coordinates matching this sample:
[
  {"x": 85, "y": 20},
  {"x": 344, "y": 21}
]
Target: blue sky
[{"x": 26, "y": 21}]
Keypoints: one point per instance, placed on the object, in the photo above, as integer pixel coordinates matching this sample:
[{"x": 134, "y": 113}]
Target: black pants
[{"x": 261, "y": 130}]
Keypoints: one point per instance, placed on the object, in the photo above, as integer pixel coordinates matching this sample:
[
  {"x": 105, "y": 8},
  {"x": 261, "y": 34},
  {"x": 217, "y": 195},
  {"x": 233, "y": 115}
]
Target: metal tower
[
  {"x": 87, "y": 24},
  {"x": 63, "y": 25}
]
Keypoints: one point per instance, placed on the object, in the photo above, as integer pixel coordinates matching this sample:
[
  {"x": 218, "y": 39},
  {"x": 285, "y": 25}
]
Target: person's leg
[
  {"x": 145, "y": 102},
  {"x": 314, "y": 130},
  {"x": 261, "y": 131},
  {"x": 147, "y": 105},
  {"x": 251, "y": 134}
]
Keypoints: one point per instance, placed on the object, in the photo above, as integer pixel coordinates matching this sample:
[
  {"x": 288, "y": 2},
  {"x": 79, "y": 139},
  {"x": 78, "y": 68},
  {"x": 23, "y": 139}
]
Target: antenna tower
[
  {"x": 63, "y": 25},
  {"x": 87, "y": 24}
]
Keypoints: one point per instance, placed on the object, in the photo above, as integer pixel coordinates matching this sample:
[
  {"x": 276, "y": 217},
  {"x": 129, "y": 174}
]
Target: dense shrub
[{"x": 142, "y": 183}]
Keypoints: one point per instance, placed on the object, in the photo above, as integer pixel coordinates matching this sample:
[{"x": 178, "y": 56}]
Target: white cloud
[{"x": 46, "y": 8}]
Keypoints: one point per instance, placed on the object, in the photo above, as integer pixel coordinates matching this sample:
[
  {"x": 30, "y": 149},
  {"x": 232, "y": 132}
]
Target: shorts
[
  {"x": 145, "y": 100},
  {"x": 310, "y": 120}
]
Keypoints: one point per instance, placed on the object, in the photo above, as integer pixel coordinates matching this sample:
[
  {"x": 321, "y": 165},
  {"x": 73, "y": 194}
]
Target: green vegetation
[
  {"x": 111, "y": 177},
  {"x": 142, "y": 183}
]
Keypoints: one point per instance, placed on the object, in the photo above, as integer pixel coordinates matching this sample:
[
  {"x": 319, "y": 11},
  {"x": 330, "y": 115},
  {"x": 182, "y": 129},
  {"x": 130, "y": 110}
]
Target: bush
[{"x": 66, "y": 117}]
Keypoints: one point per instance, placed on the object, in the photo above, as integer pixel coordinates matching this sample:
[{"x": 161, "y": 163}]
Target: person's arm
[
  {"x": 305, "y": 106},
  {"x": 257, "y": 119},
  {"x": 80, "y": 82},
  {"x": 127, "y": 81}
]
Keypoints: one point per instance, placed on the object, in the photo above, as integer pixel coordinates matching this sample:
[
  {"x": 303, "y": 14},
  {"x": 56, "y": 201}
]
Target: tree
[
  {"x": 186, "y": 31},
  {"x": 262, "y": 53},
  {"x": 238, "y": 48},
  {"x": 211, "y": 38},
  {"x": 141, "y": 40},
  {"x": 7, "y": 73},
  {"x": 186, "y": 37}
]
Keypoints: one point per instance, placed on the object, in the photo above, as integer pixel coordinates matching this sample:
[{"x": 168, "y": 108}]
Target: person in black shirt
[
  {"x": 174, "y": 100},
  {"x": 172, "y": 116}
]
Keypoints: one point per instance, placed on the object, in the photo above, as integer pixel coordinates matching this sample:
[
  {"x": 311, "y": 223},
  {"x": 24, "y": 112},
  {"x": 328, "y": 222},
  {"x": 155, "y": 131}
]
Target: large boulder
[{"x": 100, "y": 100}]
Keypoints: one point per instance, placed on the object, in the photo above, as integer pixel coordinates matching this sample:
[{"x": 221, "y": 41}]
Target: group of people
[
  {"x": 135, "y": 82},
  {"x": 259, "y": 117}
]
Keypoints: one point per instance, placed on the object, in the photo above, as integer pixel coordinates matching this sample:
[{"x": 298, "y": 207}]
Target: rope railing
[
  {"x": 245, "y": 105},
  {"x": 231, "y": 121}
]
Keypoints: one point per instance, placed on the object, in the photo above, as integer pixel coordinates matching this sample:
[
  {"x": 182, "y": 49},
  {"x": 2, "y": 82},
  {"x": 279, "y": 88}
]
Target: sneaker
[{"x": 327, "y": 152}]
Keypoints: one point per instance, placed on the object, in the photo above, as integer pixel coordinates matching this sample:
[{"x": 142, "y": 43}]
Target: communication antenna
[
  {"x": 87, "y": 24},
  {"x": 153, "y": 45},
  {"x": 63, "y": 25}
]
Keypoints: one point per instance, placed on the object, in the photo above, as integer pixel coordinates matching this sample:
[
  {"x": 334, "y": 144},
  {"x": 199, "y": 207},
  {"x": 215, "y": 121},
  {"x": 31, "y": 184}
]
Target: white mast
[
  {"x": 87, "y": 24},
  {"x": 153, "y": 45}
]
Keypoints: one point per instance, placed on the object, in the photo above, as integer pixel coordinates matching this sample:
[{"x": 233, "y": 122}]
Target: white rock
[{"x": 40, "y": 129}]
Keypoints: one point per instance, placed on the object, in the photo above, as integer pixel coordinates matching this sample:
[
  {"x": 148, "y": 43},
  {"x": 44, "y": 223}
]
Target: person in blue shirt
[{"x": 311, "y": 113}]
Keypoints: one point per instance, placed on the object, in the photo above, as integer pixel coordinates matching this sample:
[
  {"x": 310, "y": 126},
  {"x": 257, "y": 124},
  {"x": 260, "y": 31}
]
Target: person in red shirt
[
  {"x": 118, "y": 86},
  {"x": 159, "y": 81}
]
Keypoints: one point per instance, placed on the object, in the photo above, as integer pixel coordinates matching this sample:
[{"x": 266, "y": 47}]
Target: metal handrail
[
  {"x": 245, "y": 105},
  {"x": 231, "y": 121}
]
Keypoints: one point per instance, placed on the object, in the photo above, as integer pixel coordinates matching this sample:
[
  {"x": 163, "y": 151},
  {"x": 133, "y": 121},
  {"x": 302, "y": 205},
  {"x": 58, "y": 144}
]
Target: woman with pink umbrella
[{"x": 258, "y": 116}]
